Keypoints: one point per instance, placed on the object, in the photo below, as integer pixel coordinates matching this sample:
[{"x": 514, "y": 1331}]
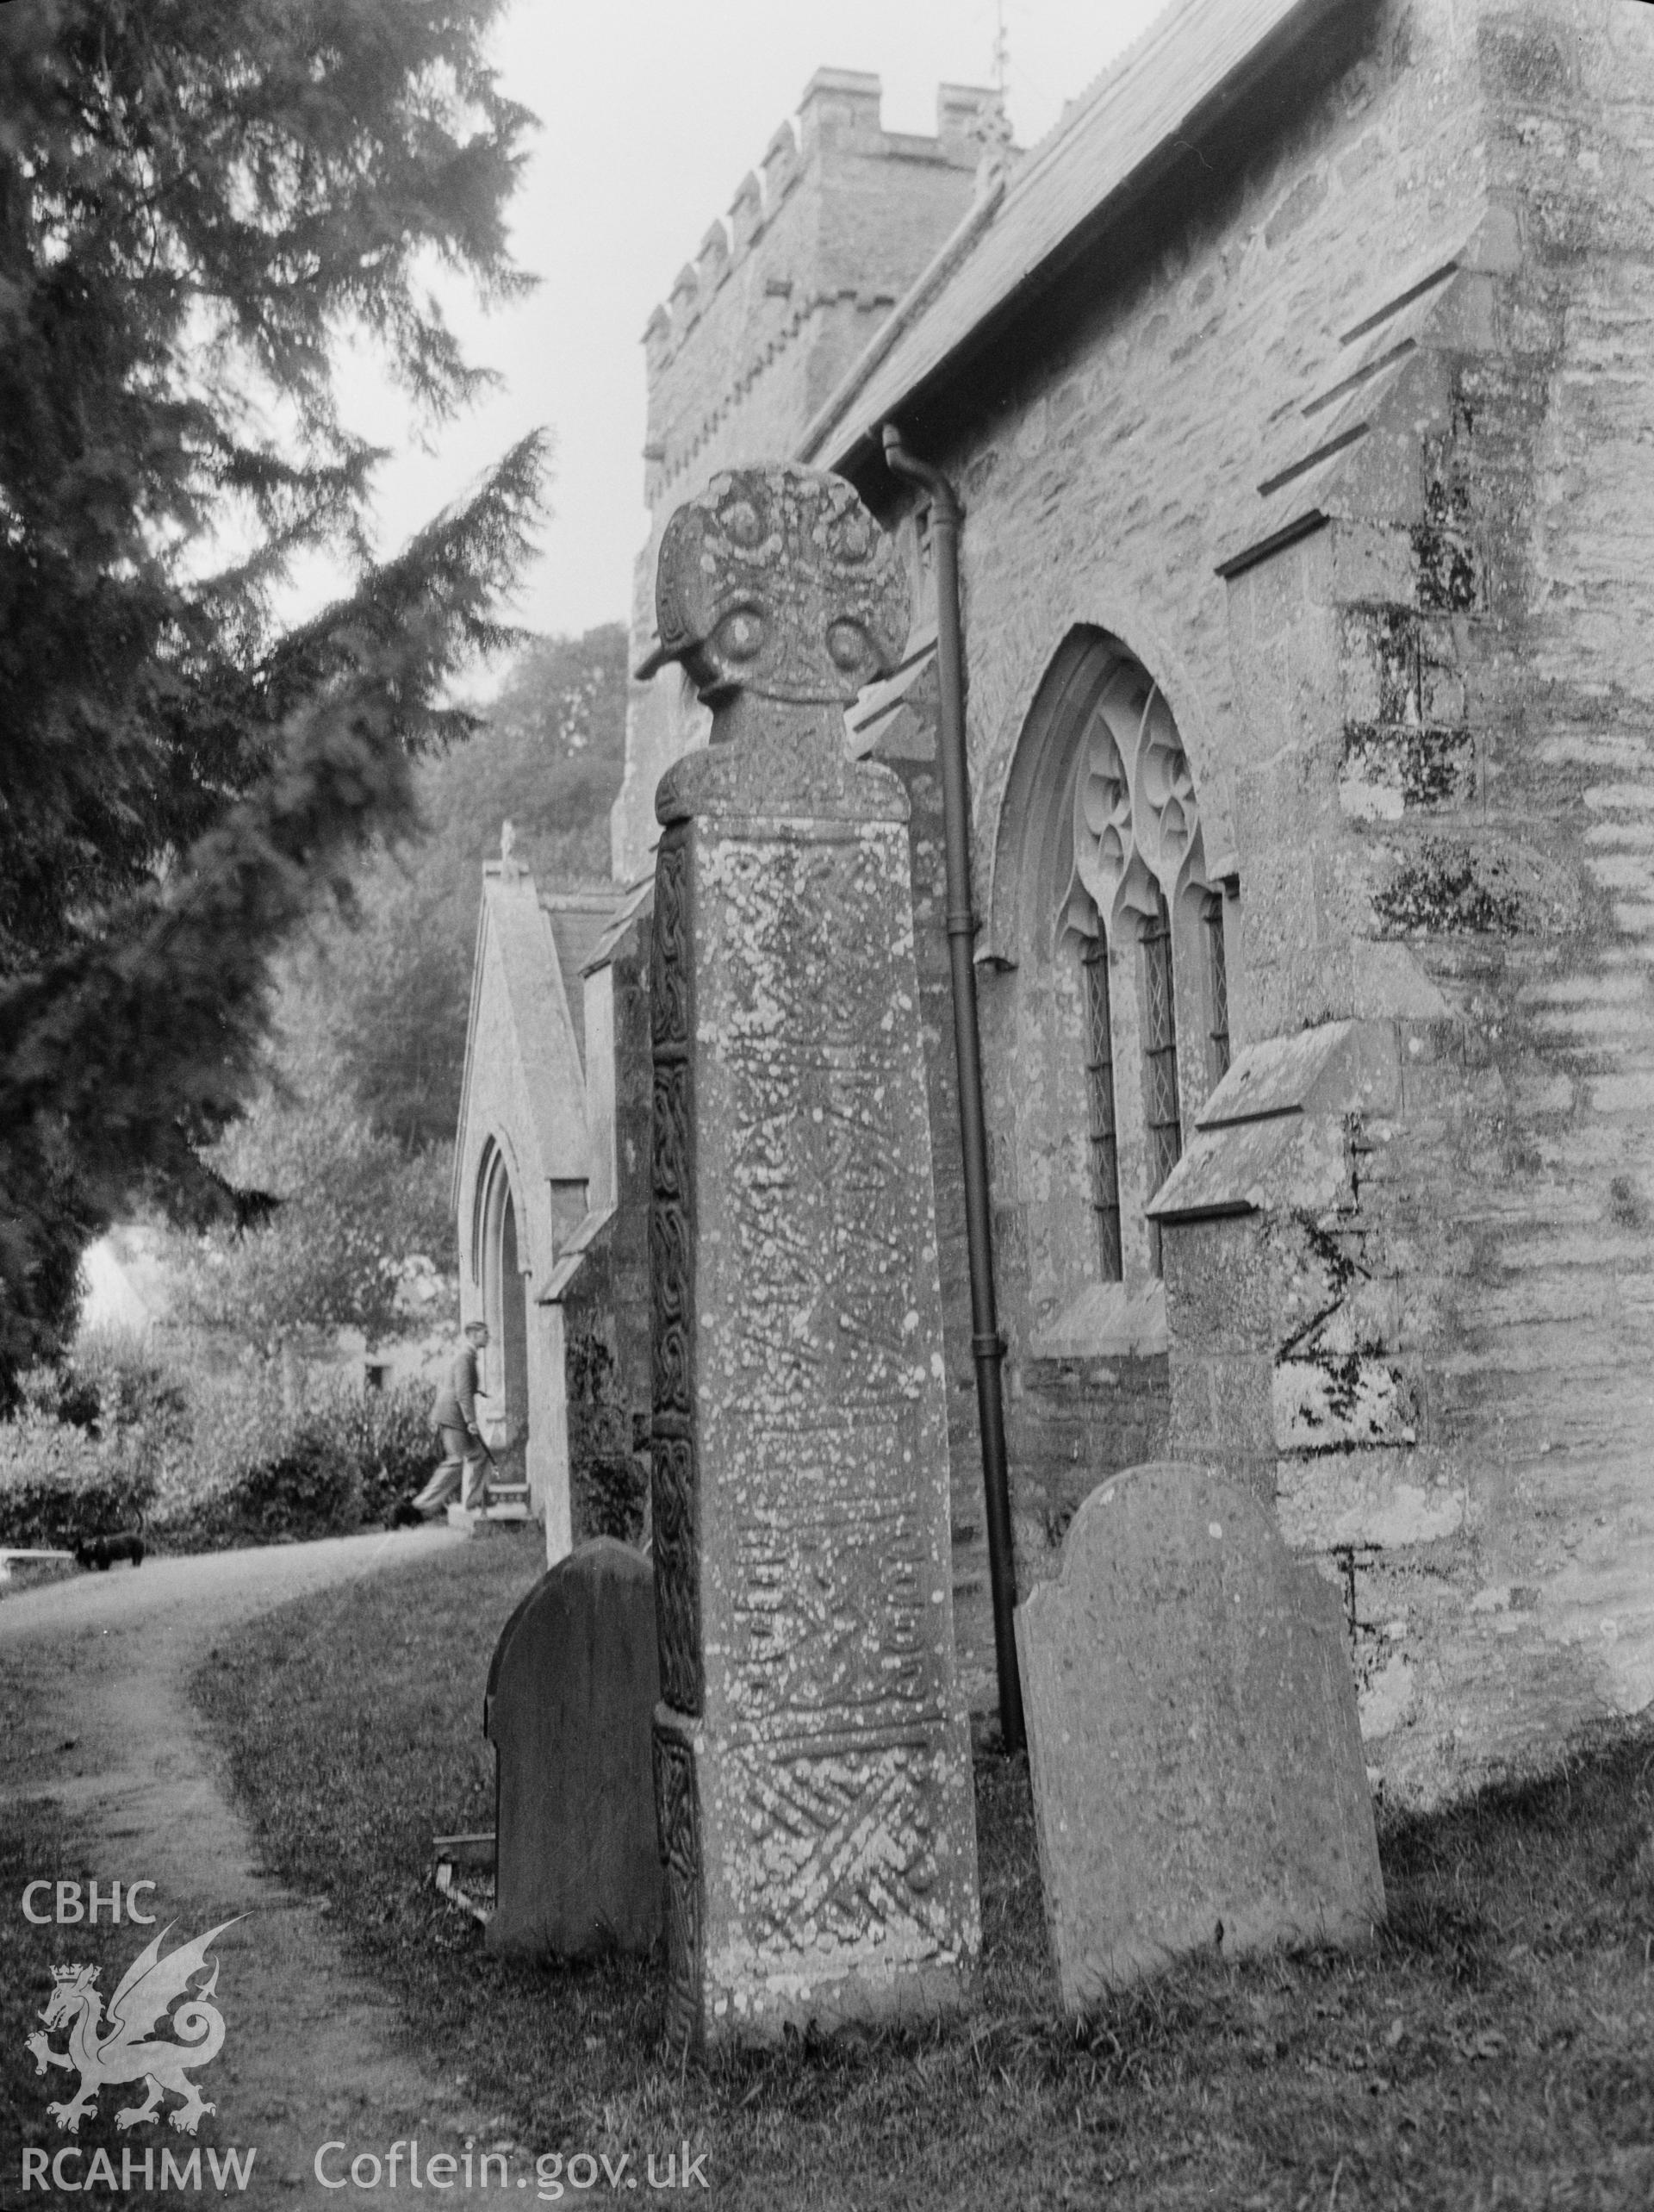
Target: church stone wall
[
  {"x": 1403, "y": 296},
  {"x": 1102, "y": 484},
  {"x": 1423, "y": 731},
  {"x": 1474, "y": 1450},
  {"x": 1524, "y": 1180},
  {"x": 500, "y": 1120},
  {"x": 910, "y": 748},
  {"x": 606, "y": 1306}
]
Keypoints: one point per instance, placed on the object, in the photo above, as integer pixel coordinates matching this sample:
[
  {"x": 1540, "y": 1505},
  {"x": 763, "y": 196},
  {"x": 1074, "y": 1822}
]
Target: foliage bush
[
  {"x": 114, "y": 1441},
  {"x": 609, "y": 1497},
  {"x": 86, "y": 1455},
  {"x": 356, "y": 1223},
  {"x": 309, "y": 1488},
  {"x": 346, "y": 1461},
  {"x": 130, "y": 1394},
  {"x": 390, "y": 1436},
  {"x": 58, "y": 1486}
]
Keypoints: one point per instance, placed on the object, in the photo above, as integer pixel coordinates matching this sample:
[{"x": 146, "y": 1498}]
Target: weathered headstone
[
  {"x": 1196, "y": 1761},
  {"x": 812, "y": 1757},
  {"x": 570, "y": 1700}
]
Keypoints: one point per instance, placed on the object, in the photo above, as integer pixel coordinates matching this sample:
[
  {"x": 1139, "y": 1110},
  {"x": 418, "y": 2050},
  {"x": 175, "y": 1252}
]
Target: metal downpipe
[{"x": 987, "y": 1347}]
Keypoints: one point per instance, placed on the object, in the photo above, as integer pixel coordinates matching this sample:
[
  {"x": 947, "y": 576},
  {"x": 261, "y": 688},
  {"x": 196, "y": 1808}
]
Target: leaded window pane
[
  {"x": 1099, "y": 1073},
  {"x": 1218, "y": 987},
  {"x": 1160, "y": 1049}
]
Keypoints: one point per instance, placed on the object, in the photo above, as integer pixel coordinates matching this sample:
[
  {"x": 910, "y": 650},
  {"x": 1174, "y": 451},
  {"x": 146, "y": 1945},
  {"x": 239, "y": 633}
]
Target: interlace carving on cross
[{"x": 777, "y": 583}]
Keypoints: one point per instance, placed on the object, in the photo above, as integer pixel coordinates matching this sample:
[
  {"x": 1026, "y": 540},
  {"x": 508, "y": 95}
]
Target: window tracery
[
  {"x": 1137, "y": 855},
  {"x": 1136, "y": 825},
  {"x": 1117, "y": 981}
]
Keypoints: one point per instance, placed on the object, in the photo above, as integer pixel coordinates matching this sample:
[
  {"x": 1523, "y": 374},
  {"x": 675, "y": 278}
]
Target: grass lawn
[{"x": 1495, "y": 2052}]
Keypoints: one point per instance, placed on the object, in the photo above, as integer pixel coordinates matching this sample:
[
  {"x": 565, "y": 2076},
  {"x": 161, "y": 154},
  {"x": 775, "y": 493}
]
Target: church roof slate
[
  {"x": 1198, "y": 54},
  {"x": 579, "y": 919},
  {"x": 515, "y": 929},
  {"x": 628, "y": 905}
]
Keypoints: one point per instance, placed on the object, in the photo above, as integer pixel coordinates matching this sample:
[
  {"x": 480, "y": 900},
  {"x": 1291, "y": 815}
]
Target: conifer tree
[
  {"x": 200, "y": 201},
  {"x": 391, "y": 994}
]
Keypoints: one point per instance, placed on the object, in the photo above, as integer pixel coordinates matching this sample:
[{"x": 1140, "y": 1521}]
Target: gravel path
[{"x": 95, "y": 1673}]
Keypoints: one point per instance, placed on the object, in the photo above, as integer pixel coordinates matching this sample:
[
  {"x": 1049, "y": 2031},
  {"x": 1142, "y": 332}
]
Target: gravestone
[
  {"x": 570, "y": 1697},
  {"x": 812, "y": 1754},
  {"x": 1198, "y": 1778}
]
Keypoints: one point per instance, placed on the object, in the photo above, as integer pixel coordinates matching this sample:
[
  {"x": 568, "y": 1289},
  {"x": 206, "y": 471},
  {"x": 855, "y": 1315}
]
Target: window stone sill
[{"x": 1105, "y": 1322}]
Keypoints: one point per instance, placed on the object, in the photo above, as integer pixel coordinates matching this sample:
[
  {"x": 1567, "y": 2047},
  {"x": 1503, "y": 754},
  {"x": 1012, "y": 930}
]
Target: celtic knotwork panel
[
  {"x": 677, "y": 1571},
  {"x": 668, "y": 962},
  {"x": 670, "y": 1134},
  {"x": 678, "y": 1826},
  {"x": 671, "y": 1272},
  {"x": 1136, "y": 825},
  {"x": 672, "y": 1164},
  {"x": 671, "y": 1299}
]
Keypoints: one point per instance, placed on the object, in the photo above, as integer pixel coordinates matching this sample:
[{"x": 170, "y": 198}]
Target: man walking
[{"x": 464, "y": 1452}]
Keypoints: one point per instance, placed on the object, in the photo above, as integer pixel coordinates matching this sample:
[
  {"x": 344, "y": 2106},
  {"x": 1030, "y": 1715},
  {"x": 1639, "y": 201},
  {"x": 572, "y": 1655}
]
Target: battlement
[
  {"x": 821, "y": 239},
  {"x": 837, "y": 128}
]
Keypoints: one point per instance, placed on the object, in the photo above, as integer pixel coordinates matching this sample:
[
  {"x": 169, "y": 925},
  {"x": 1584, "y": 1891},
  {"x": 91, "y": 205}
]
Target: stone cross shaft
[{"x": 811, "y": 1752}]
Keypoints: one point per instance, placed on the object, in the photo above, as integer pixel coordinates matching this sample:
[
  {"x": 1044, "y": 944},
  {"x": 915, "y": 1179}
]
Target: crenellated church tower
[{"x": 785, "y": 293}]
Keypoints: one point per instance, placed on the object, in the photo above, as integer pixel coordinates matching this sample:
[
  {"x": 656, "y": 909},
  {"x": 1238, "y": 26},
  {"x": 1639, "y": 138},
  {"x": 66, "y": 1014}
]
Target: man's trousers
[{"x": 462, "y": 1475}]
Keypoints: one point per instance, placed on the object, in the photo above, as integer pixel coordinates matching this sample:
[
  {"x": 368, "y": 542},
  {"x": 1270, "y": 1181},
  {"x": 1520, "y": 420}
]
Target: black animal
[{"x": 101, "y": 1551}]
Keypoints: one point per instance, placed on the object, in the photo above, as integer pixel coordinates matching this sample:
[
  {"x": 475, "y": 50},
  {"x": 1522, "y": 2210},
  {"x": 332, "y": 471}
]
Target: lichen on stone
[{"x": 1446, "y": 890}]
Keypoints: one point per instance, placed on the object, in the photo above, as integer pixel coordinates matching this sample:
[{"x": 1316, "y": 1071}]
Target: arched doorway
[{"x": 499, "y": 1275}]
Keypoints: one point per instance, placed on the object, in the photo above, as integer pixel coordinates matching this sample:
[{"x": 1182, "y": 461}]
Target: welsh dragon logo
[{"x": 121, "y": 2047}]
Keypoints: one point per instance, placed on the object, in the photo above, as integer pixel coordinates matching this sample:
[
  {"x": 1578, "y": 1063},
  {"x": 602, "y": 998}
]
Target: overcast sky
[{"x": 652, "y": 111}]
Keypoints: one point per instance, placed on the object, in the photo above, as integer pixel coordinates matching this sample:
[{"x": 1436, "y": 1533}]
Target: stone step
[
  {"x": 474, "y": 1848},
  {"x": 472, "y": 1517},
  {"x": 53, "y": 1563}
]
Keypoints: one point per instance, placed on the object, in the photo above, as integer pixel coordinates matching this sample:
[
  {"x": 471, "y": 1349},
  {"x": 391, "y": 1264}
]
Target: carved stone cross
[
  {"x": 812, "y": 1757},
  {"x": 778, "y": 584}
]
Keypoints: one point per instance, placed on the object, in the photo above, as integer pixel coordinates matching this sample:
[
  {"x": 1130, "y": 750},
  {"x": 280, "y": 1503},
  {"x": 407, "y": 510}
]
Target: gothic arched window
[
  {"x": 1112, "y": 1025},
  {"x": 1138, "y": 853}
]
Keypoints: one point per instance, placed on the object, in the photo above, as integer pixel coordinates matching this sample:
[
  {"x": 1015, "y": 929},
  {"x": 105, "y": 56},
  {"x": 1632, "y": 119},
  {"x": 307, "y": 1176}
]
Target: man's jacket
[{"x": 455, "y": 1405}]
